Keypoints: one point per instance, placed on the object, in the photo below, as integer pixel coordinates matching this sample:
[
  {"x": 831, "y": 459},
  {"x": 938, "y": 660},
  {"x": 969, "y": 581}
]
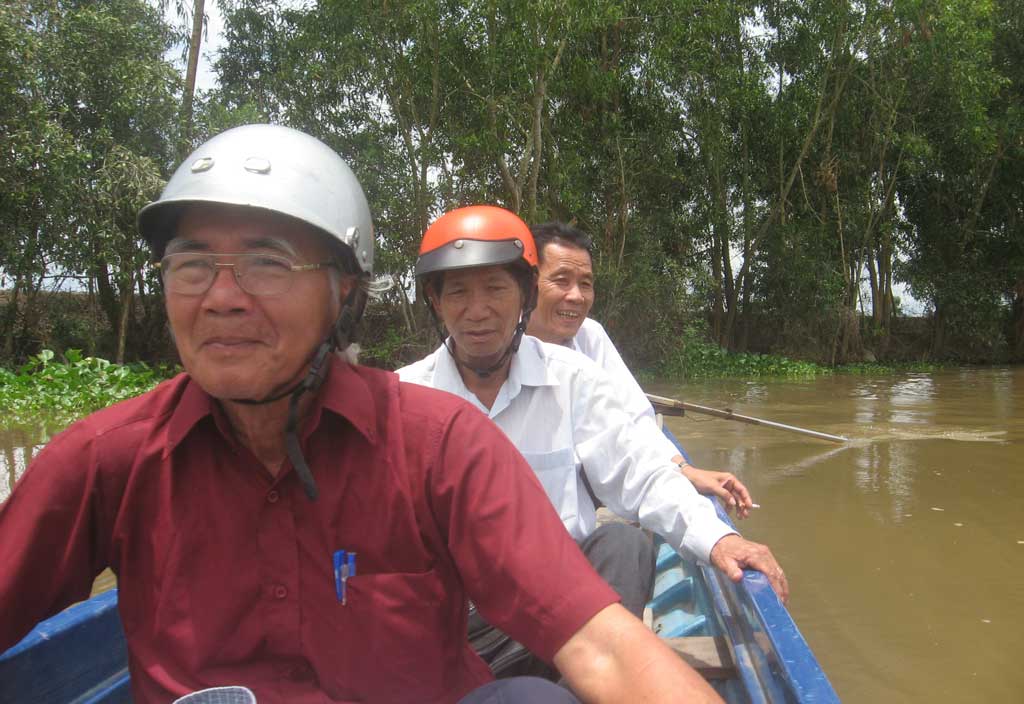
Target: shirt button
[
  {"x": 273, "y": 496},
  {"x": 280, "y": 591}
]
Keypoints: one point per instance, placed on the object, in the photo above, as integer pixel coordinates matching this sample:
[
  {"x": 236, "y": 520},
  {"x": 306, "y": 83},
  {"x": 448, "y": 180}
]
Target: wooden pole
[{"x": 668, "y": 405}]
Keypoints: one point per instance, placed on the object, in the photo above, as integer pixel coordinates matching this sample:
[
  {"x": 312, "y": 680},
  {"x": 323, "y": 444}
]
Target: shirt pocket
[
  {"x": 395, "y": 630},
  {"x": 556, "y": 471}
]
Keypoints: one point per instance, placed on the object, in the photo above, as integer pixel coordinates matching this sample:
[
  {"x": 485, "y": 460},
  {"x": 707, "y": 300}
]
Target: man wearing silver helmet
[{"x": 281, "y": 519}]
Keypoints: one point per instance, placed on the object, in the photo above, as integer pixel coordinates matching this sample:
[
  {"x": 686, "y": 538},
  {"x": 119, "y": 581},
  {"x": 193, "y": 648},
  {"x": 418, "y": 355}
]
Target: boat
[
  {"x": 739, "y": 636},
  {"x": 78, "y": 656}
]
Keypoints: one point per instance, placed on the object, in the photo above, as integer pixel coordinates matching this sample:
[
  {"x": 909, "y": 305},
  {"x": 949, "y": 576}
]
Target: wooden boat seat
[{"x": 708, "y": 655}]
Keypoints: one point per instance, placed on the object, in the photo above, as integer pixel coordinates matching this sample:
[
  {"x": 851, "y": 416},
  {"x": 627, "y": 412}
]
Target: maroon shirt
[{"x": 225, "y": 572}]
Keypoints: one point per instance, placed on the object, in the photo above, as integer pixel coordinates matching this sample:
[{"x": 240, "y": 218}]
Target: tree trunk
[
  {"x": 106, "y": 295},
  {"x": 1018, "y": 321},
  {"x": 877, "y": 304},
  {"x": 128, "y": 295},
  {"x": 11, "y": 318},
  {"x": 188, "y": 93}
]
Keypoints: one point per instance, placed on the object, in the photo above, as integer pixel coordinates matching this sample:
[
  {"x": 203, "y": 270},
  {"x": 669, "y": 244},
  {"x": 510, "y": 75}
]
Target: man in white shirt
[
  {"x": 565, "y": 295},
  {"x": 477, "y": 268}
]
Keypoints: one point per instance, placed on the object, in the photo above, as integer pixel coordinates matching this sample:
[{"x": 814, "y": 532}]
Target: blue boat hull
[{"x": 78, "y": 656}]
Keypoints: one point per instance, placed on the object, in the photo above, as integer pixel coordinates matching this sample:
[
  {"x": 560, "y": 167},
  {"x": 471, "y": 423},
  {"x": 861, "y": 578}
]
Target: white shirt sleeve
[
  {"x": 631, "y": 472},
  {"x": 592, "y": 340}
]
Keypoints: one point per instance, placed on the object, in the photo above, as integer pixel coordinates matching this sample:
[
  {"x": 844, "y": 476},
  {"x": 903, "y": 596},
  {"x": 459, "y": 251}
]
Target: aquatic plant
[
  {"x": 53, "y": 393},
  {"x": 697, "y": 358}
]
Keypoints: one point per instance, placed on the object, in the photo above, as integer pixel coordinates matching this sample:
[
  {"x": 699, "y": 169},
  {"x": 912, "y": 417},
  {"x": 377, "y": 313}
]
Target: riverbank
[
  {"x": 55, "y": 391},
  {"x": 677, "y": 344},
  {"x": 696, "y": 359}
]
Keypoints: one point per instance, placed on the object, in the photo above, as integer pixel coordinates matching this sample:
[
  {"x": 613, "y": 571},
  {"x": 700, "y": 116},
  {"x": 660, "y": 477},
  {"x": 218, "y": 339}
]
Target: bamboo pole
[{"x": 667, "y": 405}]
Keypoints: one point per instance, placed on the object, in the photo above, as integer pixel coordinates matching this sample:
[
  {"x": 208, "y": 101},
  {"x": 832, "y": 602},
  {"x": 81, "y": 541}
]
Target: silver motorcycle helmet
[{"x": 273, "y": 168}]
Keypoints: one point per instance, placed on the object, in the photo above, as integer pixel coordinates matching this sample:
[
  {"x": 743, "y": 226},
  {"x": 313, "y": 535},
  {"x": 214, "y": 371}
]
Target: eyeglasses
[{"x": 193, "y": 273}]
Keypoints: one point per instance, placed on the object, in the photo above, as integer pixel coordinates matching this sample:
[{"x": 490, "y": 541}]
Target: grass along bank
[
  {"x": 699, "y": 359},
  {"x": 51, "y": 393}
]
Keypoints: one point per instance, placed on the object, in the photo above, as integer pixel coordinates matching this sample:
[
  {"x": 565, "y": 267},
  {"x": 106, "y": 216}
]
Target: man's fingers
[
  {"x": 741, "y": 491},
  {"x": 761, "y": 559},
  {"x": 732, "y": 553},
  {"x": 733, "y": 570},
  {"x": 777, "y": 578},
  {"x": 740, "y": 497},
  {"x": 725, "y": 495}
]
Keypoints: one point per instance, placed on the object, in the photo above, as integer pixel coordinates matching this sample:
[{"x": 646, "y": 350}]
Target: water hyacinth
[{"x": 47, "y": 391}]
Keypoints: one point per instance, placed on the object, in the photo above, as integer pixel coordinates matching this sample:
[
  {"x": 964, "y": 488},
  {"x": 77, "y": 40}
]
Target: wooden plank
[{"x": 708, "y": 655}]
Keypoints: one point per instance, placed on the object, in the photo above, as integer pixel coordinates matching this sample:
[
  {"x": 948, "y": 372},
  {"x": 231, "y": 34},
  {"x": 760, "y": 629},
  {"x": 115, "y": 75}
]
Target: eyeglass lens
[{"x": 258, "y": 274}]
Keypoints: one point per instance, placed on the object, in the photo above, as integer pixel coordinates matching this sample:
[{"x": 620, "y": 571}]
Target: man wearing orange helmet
[{"x": 477, "y": 269}]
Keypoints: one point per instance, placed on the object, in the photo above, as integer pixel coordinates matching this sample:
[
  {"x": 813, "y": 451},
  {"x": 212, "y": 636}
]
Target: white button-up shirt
[
  {"x": 593, "y": 342},
  {"x": 564, "y": 414}
]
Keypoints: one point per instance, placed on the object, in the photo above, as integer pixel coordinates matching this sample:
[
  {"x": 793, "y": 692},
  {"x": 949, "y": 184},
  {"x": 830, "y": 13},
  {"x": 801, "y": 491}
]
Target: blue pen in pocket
[
  {"x": 344, "y": 564},
  {"x": 339, "y": 561}
]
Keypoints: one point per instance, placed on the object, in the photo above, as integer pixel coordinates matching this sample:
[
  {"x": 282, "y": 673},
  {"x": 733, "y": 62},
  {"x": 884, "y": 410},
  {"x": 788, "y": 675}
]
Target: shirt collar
[
  {"x": 530, "y": 364},
  {"x": 192, "y": 406},
  {"x": 528, "y": 368},
  {"x": 344, "y": 393}
]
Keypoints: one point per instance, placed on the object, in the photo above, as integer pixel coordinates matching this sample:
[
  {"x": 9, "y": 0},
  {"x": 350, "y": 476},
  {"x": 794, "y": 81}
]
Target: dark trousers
[
  {"x": 520, "y": 690},
  {"x": 622, "y": 554}
]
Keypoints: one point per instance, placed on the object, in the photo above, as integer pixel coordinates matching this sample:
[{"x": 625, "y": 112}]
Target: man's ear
[
  {"x": 433, "y": 302},
  {"x": 432, "y": 298},
  {"x": 345, "y": 286}
]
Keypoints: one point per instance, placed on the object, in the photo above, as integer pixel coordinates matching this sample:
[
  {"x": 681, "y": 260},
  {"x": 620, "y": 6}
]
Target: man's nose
[
  {"x": 225, "y": 293},
  {"x": 575, "y": 294},
  {"x": 478, "y": 307}
]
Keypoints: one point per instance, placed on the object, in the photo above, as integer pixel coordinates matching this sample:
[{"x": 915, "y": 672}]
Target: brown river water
[{"x": 904, "y": 547}]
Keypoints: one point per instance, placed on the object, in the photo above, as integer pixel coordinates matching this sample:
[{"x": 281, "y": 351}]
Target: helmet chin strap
[
  {"x": 339, "y": 332},
  {"x": 485, "y": 372},
  {"x": 517, "y": 337}
]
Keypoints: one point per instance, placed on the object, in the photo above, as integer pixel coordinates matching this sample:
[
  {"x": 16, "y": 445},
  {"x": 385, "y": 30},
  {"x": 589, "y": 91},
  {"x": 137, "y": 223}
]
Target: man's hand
[
  {"x": 732, "y": 553},
  {"x": 724, "y": 485}
]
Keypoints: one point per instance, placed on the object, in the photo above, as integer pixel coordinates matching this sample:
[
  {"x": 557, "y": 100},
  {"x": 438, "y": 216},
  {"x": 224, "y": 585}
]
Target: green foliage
[
  {"x": 875, "y": 369},
  {"x": 774, "y": 168},
  {"x": 89, "y": 105},
  {"x": 48, "y": 392},
  {"x": 696, "y": 358}
]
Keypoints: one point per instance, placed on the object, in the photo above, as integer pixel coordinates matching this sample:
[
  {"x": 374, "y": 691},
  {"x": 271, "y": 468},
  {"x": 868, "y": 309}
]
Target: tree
[{"x": 91, "y": 83}]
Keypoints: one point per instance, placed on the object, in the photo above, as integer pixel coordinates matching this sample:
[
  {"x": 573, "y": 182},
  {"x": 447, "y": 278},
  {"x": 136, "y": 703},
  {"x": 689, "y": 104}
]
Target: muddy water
[{"x": 904, "y": 548}]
